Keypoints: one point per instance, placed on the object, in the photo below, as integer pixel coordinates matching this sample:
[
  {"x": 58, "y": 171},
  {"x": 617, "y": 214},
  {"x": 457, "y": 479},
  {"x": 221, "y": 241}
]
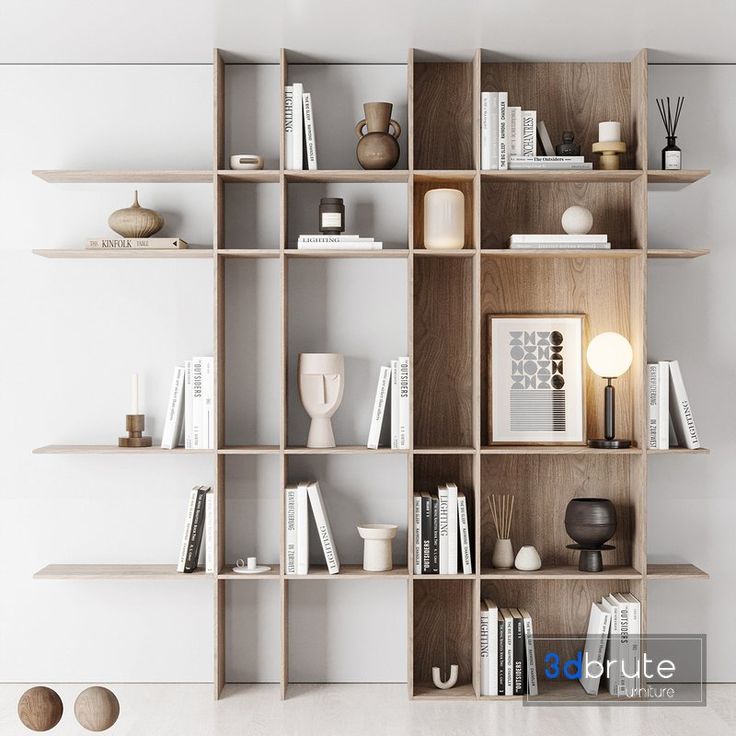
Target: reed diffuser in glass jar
[{"x": 671, "y": 153}]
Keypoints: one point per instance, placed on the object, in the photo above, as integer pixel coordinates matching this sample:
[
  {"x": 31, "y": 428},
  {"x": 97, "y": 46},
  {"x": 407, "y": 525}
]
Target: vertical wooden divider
[
  {"x": 284, "y": 393},
  {"x": 218, "y": 86},
  {"x": 410, "y": 348},
  {"x": 477, "y": 60}
]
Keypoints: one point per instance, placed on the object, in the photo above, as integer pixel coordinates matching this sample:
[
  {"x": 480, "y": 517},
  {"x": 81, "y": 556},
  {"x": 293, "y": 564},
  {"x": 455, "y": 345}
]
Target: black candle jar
[{"x": 331, "y": 216}]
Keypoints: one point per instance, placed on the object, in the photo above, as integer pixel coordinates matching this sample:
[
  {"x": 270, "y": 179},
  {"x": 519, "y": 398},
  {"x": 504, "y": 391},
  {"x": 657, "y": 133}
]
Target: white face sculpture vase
[{"x": 321, "y": 384}]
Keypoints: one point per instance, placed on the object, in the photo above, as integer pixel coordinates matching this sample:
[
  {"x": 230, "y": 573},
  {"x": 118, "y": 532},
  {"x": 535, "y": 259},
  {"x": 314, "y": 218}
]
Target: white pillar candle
[
  {"x": 444, "y": 219},
  {"x": 134, "y": 394},
  {"x": 609, "y": 131}
]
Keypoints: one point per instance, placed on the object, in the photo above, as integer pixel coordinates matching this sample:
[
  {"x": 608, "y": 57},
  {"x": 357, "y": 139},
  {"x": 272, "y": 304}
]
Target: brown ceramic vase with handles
[{"x": 377, "y": 148}]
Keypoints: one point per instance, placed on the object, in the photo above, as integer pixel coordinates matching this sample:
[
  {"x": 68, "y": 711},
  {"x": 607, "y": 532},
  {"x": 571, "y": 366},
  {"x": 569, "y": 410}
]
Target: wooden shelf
[
  {"x": 342, "y": 450},
  {"x": 249, "y": 450},
  {"x": 555, "y": 450},
  {"x": 684, "y": 176},
  {"x": 383, "y": 253},
  {"x": 675, "y": 572},
  {"x": 125, "y": 176},
  {"x": 562, "y": 253},
  {"x": 563, "y": 572},
  {"x": 116, "y": 572},
  {"x": 680, "y": 451},
  {"x": 462, "y": 253},
  {"x": 566, "y": 175},
  {"x": 246, "y": 176},
  {"x": 185, "y": 253},
  {"x": 444, "y": 451},
  {"x": 427, "y": 691},
  {"x": 319, "y": 572},
  {"x": 249, "y": 252},
  {"x": 440, "y": 175},
  {"x": 114, "y": 450},
  {"x": 677, "y": 252},
  {"x": 348, "y": 176}
]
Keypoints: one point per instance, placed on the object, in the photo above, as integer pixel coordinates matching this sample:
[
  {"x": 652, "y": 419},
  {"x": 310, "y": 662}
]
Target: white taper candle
[{"x": 134, "y": 393}]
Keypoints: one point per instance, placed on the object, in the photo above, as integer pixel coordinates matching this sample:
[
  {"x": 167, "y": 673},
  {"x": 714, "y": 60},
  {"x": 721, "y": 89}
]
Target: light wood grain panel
[
  {"x": 184, "y": 254},
  {"x": 348, "y": 176},
  {"x": 542, "y": 486},
  {"x": 443, "y": 105},
  {"x": 562, "y": 253},
  {"x": 555, "y": 450},
  {"x": 258, "y": 176},
  {"x": 114, "y": 450},
  {"x": 218, "y": 107},
  {"x": 639, "y": 108},
  {"x": 680, "y": 451},
  {"x": 443, "y": 335},
  {"x": 677, "y": 252},
  {"x": 681, "y": 571},
  {"x": 125, "y": 176},
  {"x": 443, "y": 631},
  {"x": 569, "y": 96},
  {"x": 565, "y": 175},
  {"x": 563, "y": 572},
  {"x": 683, "y": 176},
  {"x": 117, "y": 572}
]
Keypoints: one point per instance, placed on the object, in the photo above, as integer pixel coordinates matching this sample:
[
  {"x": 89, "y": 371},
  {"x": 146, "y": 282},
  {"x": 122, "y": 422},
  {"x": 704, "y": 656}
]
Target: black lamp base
[{"x": 610, "y": 444}]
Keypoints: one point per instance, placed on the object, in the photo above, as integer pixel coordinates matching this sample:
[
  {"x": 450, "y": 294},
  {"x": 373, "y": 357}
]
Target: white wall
[{"x": 73, "y": 331}]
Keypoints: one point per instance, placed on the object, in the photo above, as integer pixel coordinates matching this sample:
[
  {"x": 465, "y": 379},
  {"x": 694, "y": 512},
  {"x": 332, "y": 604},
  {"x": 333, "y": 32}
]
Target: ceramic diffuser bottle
[{"x": 502, "y": 511}]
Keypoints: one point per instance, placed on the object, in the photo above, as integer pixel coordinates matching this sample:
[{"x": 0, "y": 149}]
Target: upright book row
[
  {"x": 670, "y": 414},
  {"x": 299, "y": 132},
  {"x": 393, "y": 391}
]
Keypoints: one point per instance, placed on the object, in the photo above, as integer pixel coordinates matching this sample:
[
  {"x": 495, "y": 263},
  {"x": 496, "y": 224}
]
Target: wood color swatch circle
[
  {"x": 96, "y": 708},
  {"x": 40, "y": 708}
]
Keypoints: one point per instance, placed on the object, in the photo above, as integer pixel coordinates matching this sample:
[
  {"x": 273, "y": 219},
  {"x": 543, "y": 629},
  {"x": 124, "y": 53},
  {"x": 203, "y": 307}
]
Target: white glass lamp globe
[{"x": 609, "y": 355}]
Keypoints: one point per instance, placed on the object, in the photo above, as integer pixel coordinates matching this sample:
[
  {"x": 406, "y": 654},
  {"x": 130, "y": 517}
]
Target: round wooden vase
[
  {"x": 135, "y": 221},
  {"x": 377, "y": 148}
]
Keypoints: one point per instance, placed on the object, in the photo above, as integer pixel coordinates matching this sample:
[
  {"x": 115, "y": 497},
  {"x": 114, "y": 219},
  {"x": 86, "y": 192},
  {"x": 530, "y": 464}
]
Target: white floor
[{"x": 349, "y": 710}]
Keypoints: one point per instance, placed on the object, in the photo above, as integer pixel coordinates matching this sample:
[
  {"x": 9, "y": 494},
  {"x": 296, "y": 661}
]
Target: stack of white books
[
  {"x": 668, "y": 400},
  {"x": 559, "y": 242},
  {"x": 298, "y": 499},
  {"x": 392, "y": 390},
  {"x": 190, "y": 412},
  {"x": 300, "y": 141},
  {"x": 337, "y": 242}
]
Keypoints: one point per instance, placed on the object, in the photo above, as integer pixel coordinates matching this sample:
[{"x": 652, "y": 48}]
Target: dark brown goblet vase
[{"x": 591, "y": 522}]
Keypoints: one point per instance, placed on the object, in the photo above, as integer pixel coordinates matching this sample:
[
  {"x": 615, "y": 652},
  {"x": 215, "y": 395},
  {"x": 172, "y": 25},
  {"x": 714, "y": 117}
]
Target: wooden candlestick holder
[
  {"x": 134, "y": 426},
  {"x": 609, "y": 151}
]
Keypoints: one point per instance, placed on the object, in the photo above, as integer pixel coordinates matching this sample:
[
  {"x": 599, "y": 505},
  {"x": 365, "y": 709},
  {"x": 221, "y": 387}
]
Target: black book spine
[
  {"x": 435, "y": 535},
  {"x": 195, "y": 536},
  {"x": 501, "y": 656},
  {"x": 519, "y": 657},
  {"x": 426, "y": 535}
]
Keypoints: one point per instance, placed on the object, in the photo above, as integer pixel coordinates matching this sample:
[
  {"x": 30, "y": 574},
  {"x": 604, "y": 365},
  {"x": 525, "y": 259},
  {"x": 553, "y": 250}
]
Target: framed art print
[{"x": 536, "y": 379}]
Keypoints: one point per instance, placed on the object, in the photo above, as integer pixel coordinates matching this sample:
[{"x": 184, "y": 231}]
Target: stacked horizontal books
[
  {"x": 136, "y": 244},
  {"x": 559, "y": 242},
  {"x": 670, "y": 414},
  {"x": 199, "y": 526},
  {"x": 507, "y": 661},
  {"x": 510, "y": 137},
  {"x": 299, "y": 497},
  {"x": 300, "y": 141},
  {"x": 392, "y": 390},
  {"x": 442, "y": 532},
  {"x": 190, "y": 412},
  {"x": 337, "y": 242}
]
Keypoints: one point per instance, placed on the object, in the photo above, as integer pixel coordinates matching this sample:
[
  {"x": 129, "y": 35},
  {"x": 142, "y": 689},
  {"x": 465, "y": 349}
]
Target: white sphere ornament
[
  {"x": 577, "y": 220},
  {"x": 528, "y": 559},
  {"x": 609, "y": 355}
]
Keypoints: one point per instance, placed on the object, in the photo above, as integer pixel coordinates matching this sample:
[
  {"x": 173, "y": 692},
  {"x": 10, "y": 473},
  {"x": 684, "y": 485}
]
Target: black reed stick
[{"x": 665, "y": 112}]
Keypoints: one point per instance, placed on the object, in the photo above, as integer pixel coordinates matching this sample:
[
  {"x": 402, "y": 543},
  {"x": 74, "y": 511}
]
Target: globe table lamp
[{"x": 609, "y": 356}]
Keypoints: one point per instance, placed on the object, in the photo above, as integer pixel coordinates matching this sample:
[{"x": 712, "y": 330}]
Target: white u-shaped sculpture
[{"x": 447, "y": 684}]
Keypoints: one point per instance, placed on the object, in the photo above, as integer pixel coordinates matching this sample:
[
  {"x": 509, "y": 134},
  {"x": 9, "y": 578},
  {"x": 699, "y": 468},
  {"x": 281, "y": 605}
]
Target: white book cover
[
  {"x": 289, "y": 125},
  {"x": 404, "y": 408},
  {"x": 508, "y": 659},
  {"x": 503, "y": 153},
  {"x": 174, "y": 411},
  {"x": 547, "y": 146},
  {"x": 528, "y": 133},
  {"x": 319, "y": 238},
  {"x": 560, "y": 246},
  {"x": 492, "y": 647},
  {"x": 493, "y": 135},
  {"x": 485, "y": 130},
  {"x": 187, "y": 529},
  {"x": 663, "y": 406},
  {"x": 197, "y": 405},
  {"x": 532, "y": 684},
  {"x": 599, "y": 624},
  {"x": 547, "y": 159},
  {"x": 485, "y": 654},
  {"x": 291, "y": 529},
  {"x": 513, "y": 114},
  {"x": 394, "y": 404},
  {"x": 452, "y": 528},
  {"x": 417, "y": 533},
  {"x": 208, "y": 403},
  {"x": 379, "y": 407},
  {"x": 319, "y": 512},
  {"x": 550, "y": 166},
  {"x": 298, "y": 138},
  {"x": 652, "y": 405},
  {"x": 209, "y": 532},
  {"x": 302, "y": 529},
  {"x": 310, "y": 141},
  {"x": 188, "y": 416},
  {"x": 463, "y": 521},
  {"x": 136, "y": 244},
  {"x": 443, "y": 497},
  {"x": 556, "y": 238},
  {"x": 346, "y": 245},
  {"x": 633, "y": 643},
  {"x": 681, "y": 411},
  {"x": 613, "y": 646}
]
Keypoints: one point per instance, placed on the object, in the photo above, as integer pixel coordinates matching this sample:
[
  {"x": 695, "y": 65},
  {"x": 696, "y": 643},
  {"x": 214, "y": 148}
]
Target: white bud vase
[
  {"x": 528, "y": 559},
  {"x": 503, "y": 555}
]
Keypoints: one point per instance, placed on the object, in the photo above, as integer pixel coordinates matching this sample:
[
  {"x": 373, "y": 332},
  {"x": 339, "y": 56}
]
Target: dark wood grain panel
[
  {"x": 443, "y": 629},
  {"x": 542, "y": 486},
  {"x": 536, "y": 207},
  {"x": 569, "y": 96},
  {"x": 443, "y": 108},
  {"x": 600, "y": 288},
  {"x": 422, "y": 187},
  {"x": 443, "y": 352}
]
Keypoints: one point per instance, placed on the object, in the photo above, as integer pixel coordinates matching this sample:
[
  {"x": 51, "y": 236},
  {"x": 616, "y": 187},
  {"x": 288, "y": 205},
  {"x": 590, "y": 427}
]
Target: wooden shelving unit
[{"x": 449, "y": 296}]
